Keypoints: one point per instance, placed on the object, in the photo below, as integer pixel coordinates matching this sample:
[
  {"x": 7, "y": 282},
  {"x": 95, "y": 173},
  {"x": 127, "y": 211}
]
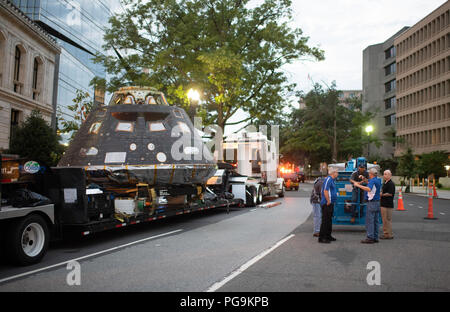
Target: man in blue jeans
[
  {"x": 372, "y": 196},
  {"x": 315, "y": 202}
]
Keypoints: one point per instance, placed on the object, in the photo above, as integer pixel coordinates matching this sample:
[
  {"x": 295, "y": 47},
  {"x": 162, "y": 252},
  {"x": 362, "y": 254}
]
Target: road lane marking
[
  {"x": 420, "y": 207},
  {"x": 248, "y": 264},
  {"x": 85, "y": 257},
  {"x": 442, "y": 213}
]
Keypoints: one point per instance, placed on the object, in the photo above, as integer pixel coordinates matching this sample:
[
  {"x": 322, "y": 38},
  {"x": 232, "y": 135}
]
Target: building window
[
  {"x": 15, "y": 117},
  {"x": 390, "y": 86},
  {"x": 390, "y": 69},
  {"x": 17, "y": 59},
  {"x": 390, "y": 103},
  {"x": 390, "y": 52},
  {"x": 35, "y": 79},
  {"x": 389, "y": 120}
]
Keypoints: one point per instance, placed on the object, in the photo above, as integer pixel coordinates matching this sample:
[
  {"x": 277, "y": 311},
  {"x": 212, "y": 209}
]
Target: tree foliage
[
  {"x": 432, "y": 164},
  {"x": 407, "y": 165},
  {"x": 36, "y": 140},
  {"x": 310, "y": 132},
  {"x": 81, "y": 107},
  {"x": 230, "y": 52}
]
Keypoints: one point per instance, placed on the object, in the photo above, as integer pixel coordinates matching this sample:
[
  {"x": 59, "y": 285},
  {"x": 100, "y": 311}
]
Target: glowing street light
[
  {"x": 193, "y": 95},
  {"x": 369, "y": 130},
  {"x": 447, "y": 167}
]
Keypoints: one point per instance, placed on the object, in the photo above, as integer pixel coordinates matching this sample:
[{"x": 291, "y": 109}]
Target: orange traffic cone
[
  {"x": 435, "y": 195},
  {"x": 430, "y": 205},
  {"x": 400, "y": 202}
]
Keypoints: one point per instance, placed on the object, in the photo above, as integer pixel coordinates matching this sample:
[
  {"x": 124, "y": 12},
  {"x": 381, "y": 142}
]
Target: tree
[
  {"x": 231, "y": 53},
  {"x": 36, "y": 140},
  {"x": 389, "y": 164},
  {"x": 324, "y": 130},
  {"x": 81, "y": 107},
  {"x": 407, "y": 166},
  {"x": 432, "y": 164}
]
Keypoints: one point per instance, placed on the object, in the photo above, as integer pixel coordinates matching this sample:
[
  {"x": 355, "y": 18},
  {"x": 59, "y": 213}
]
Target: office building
[
  {"x": 423, "y": 84},
  {"x": 28, "y": 70},
  {"x": 379, "y": 93}
]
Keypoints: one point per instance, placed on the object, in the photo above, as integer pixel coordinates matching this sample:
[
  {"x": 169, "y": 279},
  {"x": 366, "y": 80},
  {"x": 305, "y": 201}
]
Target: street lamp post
[
  {"x": 447, "y": 167},
  {"x": 194, "y": 97},
  {"x": 369, "y": 130}
]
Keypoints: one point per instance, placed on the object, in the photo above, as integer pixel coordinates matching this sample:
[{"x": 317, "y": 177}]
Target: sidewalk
[{"x": 423, "y": 191}]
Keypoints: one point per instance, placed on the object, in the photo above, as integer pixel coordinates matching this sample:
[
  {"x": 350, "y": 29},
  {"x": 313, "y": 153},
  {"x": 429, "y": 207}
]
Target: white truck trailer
[{"x": 255, "y": 161}]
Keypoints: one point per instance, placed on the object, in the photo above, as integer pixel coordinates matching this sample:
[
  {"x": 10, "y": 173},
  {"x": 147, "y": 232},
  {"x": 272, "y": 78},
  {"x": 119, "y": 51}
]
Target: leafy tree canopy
[
  {"x": 310, "y": 132},
  {"x": 231, "y": 53},
  {"x": 432, "y": 164},
  {"x": 81, "y": 106}
]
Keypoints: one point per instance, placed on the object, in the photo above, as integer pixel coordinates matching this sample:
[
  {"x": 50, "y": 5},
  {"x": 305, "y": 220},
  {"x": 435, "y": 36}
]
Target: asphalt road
[
  {"x": 199, "y": 250},
  {"x": 260, "y": 249},
  {"x": 417, "y": 259}
]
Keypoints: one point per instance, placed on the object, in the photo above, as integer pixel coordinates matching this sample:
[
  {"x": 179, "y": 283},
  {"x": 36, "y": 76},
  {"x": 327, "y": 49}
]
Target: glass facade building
[{"x": 78, "y": 26}]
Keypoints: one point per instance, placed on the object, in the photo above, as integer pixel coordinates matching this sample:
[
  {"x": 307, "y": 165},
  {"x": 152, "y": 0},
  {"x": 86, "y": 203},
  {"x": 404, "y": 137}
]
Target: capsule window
[
  {"x": 150, "y": 100},
  {"x": 129, "y": 100},
  {"x": 156, "y": 126},
  {"x": 95, "y": 128},
  {"x": 177, "y": 113},
  {"x": 184, "y": 127},
  {"x": 125, "y": 127}
]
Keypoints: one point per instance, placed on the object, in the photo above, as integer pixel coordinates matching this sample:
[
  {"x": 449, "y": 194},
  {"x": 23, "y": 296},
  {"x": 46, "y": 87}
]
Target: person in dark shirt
[
  {"x": 387, "y": 204},
  {"x": 327, "y": 201},
  {"x": 360, "y": 175}
]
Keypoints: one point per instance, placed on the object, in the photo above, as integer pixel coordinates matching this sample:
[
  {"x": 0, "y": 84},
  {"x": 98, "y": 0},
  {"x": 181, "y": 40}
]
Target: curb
[{"x": 426, "y": 195}]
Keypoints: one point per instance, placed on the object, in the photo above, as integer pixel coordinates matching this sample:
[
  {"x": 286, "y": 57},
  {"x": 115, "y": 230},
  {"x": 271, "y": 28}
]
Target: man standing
[
  {"x": 359, "y": 175},
  {"x": 387, "y": 204},
  {"x": 315, "y": 202},
  {"x": 372, "y": 197},
  {"x": 327, "y": 202}
]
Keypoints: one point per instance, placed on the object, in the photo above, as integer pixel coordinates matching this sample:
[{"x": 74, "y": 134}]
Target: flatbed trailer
[{"x": 76, "y": 211}]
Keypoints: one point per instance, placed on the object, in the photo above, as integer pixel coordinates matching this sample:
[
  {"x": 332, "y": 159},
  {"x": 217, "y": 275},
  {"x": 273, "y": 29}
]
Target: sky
[{"x": 343, "y": 29}]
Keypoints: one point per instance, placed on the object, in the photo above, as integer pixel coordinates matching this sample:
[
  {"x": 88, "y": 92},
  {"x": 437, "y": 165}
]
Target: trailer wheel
[
  {"x": 252, "y": 196},
  {"x": 260, "y": 195},
  {"x": 29, "y": 240},
  {"x": 282, "y": 192}
]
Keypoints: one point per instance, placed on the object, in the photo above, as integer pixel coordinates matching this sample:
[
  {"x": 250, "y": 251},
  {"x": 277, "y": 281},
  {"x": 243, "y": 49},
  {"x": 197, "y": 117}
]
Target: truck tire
[
  {"x": 28, "y": 240},
  {"x": 260, "y": 196},
  {"x": 252, "y": 198}
]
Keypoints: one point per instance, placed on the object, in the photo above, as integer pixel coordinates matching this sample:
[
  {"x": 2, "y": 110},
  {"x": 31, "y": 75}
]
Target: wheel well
[{"x": 44, "y": 216}]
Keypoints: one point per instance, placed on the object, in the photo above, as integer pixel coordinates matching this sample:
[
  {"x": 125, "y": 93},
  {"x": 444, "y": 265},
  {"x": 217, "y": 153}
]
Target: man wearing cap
[
  {"x": 372, "y": 196},
  {"x": 359, "y": 175}
]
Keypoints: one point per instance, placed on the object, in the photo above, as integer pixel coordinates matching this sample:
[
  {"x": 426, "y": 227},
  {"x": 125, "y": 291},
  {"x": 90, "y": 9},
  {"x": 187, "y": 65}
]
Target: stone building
[{"x": 29, "y": 60}]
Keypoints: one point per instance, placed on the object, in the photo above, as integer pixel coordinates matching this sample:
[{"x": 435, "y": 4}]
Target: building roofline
[
  {"x": 422, "y": 19},
  {"x": 28, "y": 22}
]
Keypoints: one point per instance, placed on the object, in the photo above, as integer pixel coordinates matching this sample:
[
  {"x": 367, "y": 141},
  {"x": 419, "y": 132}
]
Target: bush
[{"x": 439, "y": 185}]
